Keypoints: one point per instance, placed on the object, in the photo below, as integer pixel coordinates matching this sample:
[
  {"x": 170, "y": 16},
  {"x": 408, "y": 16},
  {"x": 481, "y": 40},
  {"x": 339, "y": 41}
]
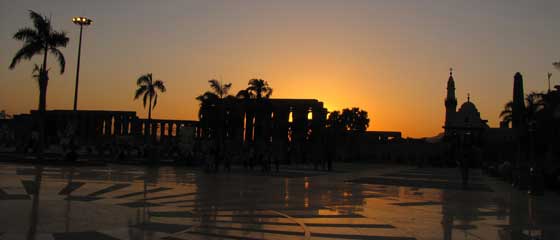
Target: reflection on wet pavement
[{"x": 356, "y": 202}]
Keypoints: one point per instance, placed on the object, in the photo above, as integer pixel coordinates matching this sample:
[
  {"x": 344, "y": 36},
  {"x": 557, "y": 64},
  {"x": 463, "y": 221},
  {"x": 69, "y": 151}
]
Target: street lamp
[{"x": 82, "y": 21}]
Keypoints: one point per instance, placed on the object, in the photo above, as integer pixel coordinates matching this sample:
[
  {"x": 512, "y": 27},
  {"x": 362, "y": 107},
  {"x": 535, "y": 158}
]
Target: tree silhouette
[
  {"x": 243, "y": 94},
  {"x": 534, "y": 102},
  {"x": 351, "y": 119},
  {"x": 259, "y": 88},
  {"x": 212, "y": 98},
  {"x": 355, "y": 119},
  {"x": 212, "y": 110},
  {"x": 219, "y": 89},
  {"x": 148, "y": 88},
  {"x": 507, "y": 113},
  {"x": 334, "y": 121},
  {"x": 41, "y": 39},
  {"x": 4, "y": 115},
  {"x": 36, "y": 73}
]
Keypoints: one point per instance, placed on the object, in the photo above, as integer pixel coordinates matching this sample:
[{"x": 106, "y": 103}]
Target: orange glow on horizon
[{"x": 390, "y": 59}]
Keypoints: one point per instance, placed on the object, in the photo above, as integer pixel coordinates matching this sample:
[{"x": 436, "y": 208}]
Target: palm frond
[
  {"x": 216, "y": 86},
  {"x": 556, "y": 65},
  {"x": 243, "y": 94},
  {"x": 269, "y": 93},
  {"x": 255, "y": 82},
  {"x": 220, "y": 89},
  {"x": 59, "y": 58},
  {"x": 225, "y": 88},
  {"x": 40, "y": 22},
  {"x": 145, "y": 98},
  {"x": 58, "y": 39},
  {"x": 535, "y": 103},
  {"x": 159, "y": 85},
  {"x": 208, "y": 98},
  {"x": 505, "y": 113},
  {"x": 508, "y": 110},
  {"x": 155, "y": 101},
  {"x": 26, "y": 34},
  {"x": 258, "y": 87},
  {"x": 140, "y": 91},
  {"x": 26, "y": 52},
  {"x": 144, "y": 80}
]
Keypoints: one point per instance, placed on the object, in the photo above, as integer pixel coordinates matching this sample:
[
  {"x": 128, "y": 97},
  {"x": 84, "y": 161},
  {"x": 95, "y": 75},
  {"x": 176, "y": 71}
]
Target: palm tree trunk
[
  {"x": 150, "y": 118},
  {"x": 43, "y": 82}
]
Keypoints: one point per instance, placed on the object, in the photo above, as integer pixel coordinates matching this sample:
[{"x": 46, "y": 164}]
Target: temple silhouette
[{"x": 293, "y": 130}]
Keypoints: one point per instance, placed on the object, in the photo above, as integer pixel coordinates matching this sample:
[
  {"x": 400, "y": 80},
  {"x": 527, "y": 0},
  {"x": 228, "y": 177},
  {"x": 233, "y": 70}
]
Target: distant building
[
  {"x": 466, "y": 126},
  {"x": 86, "y": 127},
  {"x": 279, "y": 125},
  {"x": 465, "y": 121}
]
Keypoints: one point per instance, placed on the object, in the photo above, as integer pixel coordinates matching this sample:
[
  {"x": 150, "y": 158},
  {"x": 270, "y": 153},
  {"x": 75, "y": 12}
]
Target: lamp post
[{"x": 82, "y": 21}]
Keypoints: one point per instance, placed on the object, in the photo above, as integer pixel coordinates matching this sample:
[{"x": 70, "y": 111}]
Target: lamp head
[{"x": 82, "y": 21}]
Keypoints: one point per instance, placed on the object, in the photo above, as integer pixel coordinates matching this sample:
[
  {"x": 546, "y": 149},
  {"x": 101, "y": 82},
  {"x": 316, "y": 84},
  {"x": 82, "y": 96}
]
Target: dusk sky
[{"x": 391, "y": 58}]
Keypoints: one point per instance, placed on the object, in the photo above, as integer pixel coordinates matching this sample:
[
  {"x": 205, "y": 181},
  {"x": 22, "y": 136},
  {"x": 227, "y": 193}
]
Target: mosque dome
[
  {"x": 469, "y": 116},
  {"x": 469, "y": 108}
]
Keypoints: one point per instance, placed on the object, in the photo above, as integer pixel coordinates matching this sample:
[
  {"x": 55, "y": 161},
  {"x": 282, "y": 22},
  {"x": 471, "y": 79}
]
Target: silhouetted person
[{"x": 465, "y": 158}]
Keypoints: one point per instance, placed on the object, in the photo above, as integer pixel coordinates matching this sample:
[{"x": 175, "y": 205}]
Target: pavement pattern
[{"x": 357, "y": 201}]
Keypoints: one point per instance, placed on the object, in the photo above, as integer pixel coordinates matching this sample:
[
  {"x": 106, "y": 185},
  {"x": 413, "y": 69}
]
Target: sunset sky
[{"x": 391, "y": 58}]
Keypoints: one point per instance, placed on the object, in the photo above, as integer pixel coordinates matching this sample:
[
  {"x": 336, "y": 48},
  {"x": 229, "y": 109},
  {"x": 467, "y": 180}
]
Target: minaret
[
  {"x": 518, "y": 109},
  {"x": 450, "y": 100}
]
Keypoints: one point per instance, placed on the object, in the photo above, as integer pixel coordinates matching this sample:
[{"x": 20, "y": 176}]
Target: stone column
[
  {"x": 108, "y": 125},
  {"x": 170, "y": 129},
  {"x": 117, "y": 125}
]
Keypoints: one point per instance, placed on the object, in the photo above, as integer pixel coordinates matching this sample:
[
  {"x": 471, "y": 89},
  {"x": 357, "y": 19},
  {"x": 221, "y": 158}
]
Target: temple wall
[{"x": 97, "y": 127}]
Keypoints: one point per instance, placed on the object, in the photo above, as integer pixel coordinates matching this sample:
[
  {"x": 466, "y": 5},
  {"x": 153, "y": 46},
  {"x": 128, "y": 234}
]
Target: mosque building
[
  {"x": 464, "y": 122},
  {"x": 465, "y": 125}
]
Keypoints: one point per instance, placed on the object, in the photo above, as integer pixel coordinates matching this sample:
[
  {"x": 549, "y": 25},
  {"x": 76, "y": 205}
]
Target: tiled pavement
[{"x": 355, "y": 202}]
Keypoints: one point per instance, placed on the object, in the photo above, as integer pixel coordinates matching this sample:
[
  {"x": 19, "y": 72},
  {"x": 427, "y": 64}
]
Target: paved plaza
[{"x": 355, "y": 202}]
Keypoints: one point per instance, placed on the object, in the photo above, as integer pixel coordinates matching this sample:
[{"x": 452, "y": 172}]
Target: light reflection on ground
[{"x": 355, "y": 202}]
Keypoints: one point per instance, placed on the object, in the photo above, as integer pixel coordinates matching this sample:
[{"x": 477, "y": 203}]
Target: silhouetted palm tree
[
  {"x": 41, "y": 39},
  {"x": 534, "y": 104},
  {"x": 219, "y": 89},
  {"x": 212, "y": 110},
  {"x": 243, "y": 94},
  {"x": 507, "y": 113},
  {"x": 148, "y": 88},
  {"x": 208, "y": 99},
  {"x": 259, "y": 88},
  {"x": 37, "y": 72},
  {"x": 212, "y": 98}
]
